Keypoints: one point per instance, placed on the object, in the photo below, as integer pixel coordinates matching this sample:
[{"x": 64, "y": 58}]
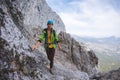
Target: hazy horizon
[
  {"x": 93, "y": 18},
  {"x": 95, "y": 36}
]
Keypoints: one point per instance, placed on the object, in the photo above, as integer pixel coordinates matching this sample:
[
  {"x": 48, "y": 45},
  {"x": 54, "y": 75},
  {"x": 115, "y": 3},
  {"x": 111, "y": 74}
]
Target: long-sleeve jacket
[{"x": 54, "y": 38}]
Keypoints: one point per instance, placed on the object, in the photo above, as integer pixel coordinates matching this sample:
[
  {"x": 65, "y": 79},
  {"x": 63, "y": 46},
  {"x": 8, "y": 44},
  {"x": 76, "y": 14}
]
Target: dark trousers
[{"x": 50, "y": 54}]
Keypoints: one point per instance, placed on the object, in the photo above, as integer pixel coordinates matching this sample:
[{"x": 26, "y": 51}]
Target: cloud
[{"x": 96, "y": 18}]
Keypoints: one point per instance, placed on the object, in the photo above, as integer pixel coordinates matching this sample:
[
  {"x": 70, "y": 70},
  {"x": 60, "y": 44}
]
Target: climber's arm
[
  {"x": 36, "y": 45},
  {"x": 58, "y": 42},
  {"x": 39, "y": 41},
  {"x": 59, "y": 46}
]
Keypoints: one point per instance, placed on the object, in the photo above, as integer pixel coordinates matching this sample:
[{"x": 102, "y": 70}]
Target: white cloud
[{"x": 90, "y": 18}]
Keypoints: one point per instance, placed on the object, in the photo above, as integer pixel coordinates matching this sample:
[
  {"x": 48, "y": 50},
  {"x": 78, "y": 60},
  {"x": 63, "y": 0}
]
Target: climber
[{"x": 51, "y": 39}]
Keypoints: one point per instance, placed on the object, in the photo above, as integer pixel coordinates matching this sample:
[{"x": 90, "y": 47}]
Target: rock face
[
  {"x": 75, "y": 55},
  {"x": 112, "y": 75},
  {"x": 21, "y": 22},
  {"x": 28, "y": 14}
]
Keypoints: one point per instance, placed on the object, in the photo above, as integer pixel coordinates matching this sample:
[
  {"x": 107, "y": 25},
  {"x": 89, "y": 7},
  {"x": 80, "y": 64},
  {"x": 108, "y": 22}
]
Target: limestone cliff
[{"x": 21, "y": 22}]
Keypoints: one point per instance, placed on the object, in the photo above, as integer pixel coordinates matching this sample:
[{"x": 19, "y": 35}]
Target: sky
[{"x": 92, "y": 18}]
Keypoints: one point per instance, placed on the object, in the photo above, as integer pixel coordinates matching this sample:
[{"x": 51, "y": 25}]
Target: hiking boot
[{"x": 51, "y": 71}]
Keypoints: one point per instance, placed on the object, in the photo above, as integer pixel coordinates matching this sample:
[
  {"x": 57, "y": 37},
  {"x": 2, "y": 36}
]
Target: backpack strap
[
  {"x": 45, "y": 35},
  {"x": 54, "y": 33}
]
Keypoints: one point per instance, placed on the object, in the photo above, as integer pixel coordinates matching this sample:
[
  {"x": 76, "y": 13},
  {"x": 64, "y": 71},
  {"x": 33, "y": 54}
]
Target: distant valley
[{"x": 107, "y": 49}]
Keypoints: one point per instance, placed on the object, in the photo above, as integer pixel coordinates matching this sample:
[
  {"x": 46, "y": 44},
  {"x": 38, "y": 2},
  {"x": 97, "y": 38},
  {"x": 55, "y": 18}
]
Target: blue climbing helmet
[{"x": 50, "y": 22}]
